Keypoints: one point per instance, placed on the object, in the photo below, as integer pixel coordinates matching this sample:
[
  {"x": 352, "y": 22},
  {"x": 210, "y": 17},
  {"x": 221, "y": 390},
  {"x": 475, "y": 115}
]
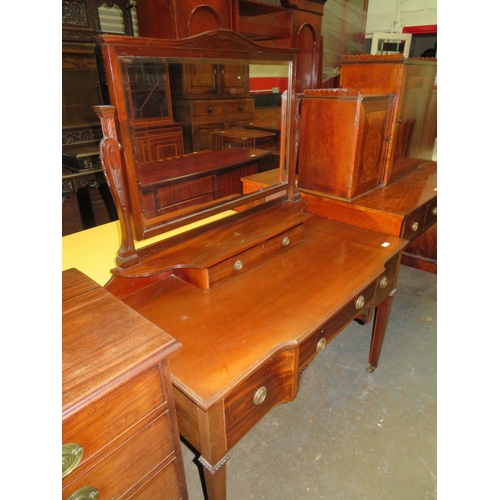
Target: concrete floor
[{"x": 349, "y": 434}]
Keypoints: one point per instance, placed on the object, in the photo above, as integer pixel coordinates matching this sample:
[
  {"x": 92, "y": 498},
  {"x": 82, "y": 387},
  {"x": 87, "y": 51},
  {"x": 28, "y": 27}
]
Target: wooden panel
[
  {"x": 123, "y": 468},
  {"x": 229, "y": 183},
  {"x": 99, "y": 424},
  {"x": 165, "y": 485},
  {"x": 277, "y": 376}
]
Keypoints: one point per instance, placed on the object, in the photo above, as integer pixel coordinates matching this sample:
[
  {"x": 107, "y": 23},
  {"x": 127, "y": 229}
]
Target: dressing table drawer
[
  {"x": 414, "y": 224},
  {"x": 319, "y": 339},
  {"x": 271, "y": 385},
  {"x": 386, "y": 283},
  {"x": 431, "y": 216}
]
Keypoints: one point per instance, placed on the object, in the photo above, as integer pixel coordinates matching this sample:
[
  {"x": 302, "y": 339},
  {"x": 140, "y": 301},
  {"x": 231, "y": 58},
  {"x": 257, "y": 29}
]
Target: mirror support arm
[{"x": 109, "y": 154}]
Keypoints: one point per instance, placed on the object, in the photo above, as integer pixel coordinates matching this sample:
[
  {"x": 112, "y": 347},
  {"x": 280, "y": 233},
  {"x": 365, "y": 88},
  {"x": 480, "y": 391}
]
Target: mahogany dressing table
[{"x": 253, "y": 298}]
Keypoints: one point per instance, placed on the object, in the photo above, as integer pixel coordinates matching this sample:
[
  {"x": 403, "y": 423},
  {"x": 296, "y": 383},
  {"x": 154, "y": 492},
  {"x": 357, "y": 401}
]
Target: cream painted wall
[{"x": 391, "y": 16}]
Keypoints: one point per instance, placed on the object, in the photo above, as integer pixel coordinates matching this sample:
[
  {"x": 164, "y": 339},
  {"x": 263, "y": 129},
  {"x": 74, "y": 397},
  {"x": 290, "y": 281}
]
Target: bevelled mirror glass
[{"x": 202, "y": 123}]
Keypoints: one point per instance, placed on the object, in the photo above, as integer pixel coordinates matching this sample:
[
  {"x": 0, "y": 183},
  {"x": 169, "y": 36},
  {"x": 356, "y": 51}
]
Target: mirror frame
[{"x": 223, "y": 46}]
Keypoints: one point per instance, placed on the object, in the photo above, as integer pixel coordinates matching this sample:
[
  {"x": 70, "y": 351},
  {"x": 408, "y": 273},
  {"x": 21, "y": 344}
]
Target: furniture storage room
[{"x": 249, "y": 218}]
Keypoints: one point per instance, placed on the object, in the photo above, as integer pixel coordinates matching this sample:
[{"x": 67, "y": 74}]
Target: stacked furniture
[
  {"x": 253, "y": 297},
  {"x": 373, "y": 168}
]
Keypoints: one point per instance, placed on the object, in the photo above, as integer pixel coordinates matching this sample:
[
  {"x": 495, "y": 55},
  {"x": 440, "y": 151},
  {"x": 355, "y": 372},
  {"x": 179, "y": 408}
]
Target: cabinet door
[
  {"x": 201, "y": 79},
  {"x": 234, "y": 79},
  {"x": 202, "y": 137}
]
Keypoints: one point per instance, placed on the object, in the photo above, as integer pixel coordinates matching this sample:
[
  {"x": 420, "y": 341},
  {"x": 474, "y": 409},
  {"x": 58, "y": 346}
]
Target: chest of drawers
[{"x": 119, "y": 428}]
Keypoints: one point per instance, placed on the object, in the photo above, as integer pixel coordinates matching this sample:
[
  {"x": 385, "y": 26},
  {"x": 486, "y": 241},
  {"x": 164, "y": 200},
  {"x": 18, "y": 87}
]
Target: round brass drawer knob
[
  {"x": 414, "y": 226},
  {"x": 435, "y": 211},
  {"x": 85, "y": 493},
  {"x": 72, "y": 454},
  {"x": 360, "y": 302},
  {"x": 285, "y": 241},
  {"x": 383, "y": 282},
  {"x": 238, "y": 265},
  {"x": 260, "y": 395},
  {"x": 321, "y": 344}
]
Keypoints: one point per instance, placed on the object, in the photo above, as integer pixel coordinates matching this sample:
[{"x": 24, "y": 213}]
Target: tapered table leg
[
  {"x": 213, "y": 451},
  {"x": 380, "y": 321}
]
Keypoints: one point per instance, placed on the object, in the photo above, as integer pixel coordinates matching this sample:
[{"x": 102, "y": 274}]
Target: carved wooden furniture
[
  {"x": 343, "y": 144},
  {"x": 86, "y": 200},
  {"x": 412, "y": 81},
  {"x": 283, "y": 23},
  {"x": 119, "y": 427},
  {"x": 253, "y": 297}
]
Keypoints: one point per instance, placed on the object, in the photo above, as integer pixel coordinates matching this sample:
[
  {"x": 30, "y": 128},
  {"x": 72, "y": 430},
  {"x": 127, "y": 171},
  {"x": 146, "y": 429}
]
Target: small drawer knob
[
  {"x": 321, "y": 344},
  {"x": 210, "y": 109},
  {"x": 85, "y": 493},
  {"x": 238, "y": 265},
  {"x": 435, "y": 211},
  {"x": 360, "y": 302},
  {"x": 414, "y": 226},
  {"x": 240, "y": 108},
  {"x": 260, "y": 395},
  {"x": 285, "y": 241},
  {"x": 72, "y": 454},
  {"x": 383, "y": 282}
]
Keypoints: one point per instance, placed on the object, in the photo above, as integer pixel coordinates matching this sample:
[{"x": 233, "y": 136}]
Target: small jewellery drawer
[
  {"x": 320, "y": 338},
  {"x": 414, "y": 224},
  {"x": 100, "y": 423},
  {"x": 272, "y": 384},
  {"x": 252, "y": 257},
  {"x": 126, "y": 465}
]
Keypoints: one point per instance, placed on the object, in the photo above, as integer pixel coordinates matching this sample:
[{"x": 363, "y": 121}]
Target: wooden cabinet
[
  {"x": 344, "y": 153},
  {"x": 412, "y": 81},
  {"x": 210, "y": 98},
  {"x": 119, "y": 427}
]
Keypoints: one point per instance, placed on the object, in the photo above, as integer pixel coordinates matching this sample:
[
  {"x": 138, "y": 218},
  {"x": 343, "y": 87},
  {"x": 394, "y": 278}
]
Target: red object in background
[
  {"x": 265, "y": 84},
  {"x": 426, "y": 29}
]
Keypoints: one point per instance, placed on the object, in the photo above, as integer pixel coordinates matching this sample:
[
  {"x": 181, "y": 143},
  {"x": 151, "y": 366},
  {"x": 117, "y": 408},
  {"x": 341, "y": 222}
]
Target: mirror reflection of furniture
[
  {"x": 253, "y": 297},
  {"x": 170, "y": 107}
]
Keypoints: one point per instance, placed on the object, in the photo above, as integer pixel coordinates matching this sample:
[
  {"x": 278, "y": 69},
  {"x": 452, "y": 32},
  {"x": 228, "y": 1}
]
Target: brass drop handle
[
  {"x": 85, "y": 493},
  {"x": 238, "y": 265},
  {"x": 383, "y": 282},
  {"x": 285, "y": 241},
  {"x": 260, "y": 395},
  {"x": 321, "y": 345},
  {"x": 72, "y": 454},
  {"x": 360, "y": 302},
  {"x": 435, "y": 211},
  {"x": 414, "y": 227}
]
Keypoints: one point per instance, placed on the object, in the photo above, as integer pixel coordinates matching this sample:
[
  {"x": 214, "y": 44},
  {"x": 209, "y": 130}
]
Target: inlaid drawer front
[
  {"x": 97, "y": 425},
  {"x": 252, "y": 257},
  {"x": 129, "y": 463},
  {"x": 272, "y": 384},
  {"x": 387, "y": 281},
  {"x": 414, "y": 224},
  {"x": 316, "y": 342}
]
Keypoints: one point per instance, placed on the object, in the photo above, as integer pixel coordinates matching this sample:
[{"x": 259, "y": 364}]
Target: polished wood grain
[
  {"x": 390, "y": 210},
  {"x": 412, "y": 81},
  {"x": 343, "y": 141},
  {"x": 117, "y": 400},
  {"x": 248, "y": 331}
]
